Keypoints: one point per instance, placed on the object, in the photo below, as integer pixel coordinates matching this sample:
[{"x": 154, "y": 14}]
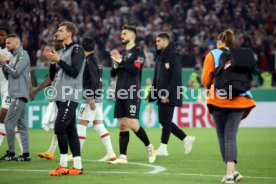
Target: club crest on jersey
[
  {"x": 129, "y": 55},
  {"x": 167, "y": 65},
  {"x": 141, "y": 60}
]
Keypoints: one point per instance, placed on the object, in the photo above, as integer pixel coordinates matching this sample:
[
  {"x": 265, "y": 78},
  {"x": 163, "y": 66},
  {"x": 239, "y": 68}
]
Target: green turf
[{"x": 256, "y": 147}]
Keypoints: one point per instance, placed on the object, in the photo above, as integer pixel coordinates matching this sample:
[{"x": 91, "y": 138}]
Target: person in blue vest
[{"x": 226, "y": 112}]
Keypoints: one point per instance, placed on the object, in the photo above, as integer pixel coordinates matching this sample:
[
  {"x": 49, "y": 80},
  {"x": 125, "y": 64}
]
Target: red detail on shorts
[
  {"x": 81, "y": 137},
  {"x": 2, "y": 134},
  {"x": 16, "y": 132},
  {"x": 104, "y": 135},
  {"x": 137, "y": 64}
]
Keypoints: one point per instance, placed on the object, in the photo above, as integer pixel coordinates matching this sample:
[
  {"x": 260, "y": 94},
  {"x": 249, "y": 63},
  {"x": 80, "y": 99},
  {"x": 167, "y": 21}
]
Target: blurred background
[{"x": 193, "y": 25}]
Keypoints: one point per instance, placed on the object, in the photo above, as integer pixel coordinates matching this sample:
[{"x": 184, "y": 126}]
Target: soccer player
[
  {"x": 5, "y": 100},
  {"x": 91, "y": 108},
  {"x": 18, "y": 75},
  {"x": 66, "y": 72},
  {"x": 167, "y": 76},
  {"x": 127, "y": 66}
]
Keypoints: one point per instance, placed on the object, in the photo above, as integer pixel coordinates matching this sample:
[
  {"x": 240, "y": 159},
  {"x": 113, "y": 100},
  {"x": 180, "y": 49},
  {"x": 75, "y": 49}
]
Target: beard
[{"x": 124, "y": 42}]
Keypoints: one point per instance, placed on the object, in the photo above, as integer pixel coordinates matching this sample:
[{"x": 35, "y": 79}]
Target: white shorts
[
  {"x": 5, "y": 100},
  {"x": 90, "y": 115}
]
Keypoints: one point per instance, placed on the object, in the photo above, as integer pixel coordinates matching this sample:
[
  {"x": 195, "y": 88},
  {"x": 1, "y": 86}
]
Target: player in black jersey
[{"x": 127, "y": 66}]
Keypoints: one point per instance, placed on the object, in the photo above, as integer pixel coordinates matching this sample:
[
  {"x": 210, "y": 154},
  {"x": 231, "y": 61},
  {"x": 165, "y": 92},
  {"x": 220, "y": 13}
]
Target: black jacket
[
  {"x": 167, "y": 75},
  {"x": 129, "y": 71},
  {"x": 92, "y": 77}
]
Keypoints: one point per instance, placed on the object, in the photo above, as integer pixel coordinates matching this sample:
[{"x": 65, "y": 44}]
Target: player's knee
[
  {"x": 134, "y": 127},
  {"x": 123, "y": 127}
]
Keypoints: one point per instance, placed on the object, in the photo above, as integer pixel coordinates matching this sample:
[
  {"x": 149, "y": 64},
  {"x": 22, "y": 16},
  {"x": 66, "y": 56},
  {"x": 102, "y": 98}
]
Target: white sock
[
  {"x": 77, "y": 162},
  {"x": 104, "y": 135},
  {"x": 2, "y": 132},
  {"x": 18, "y": 138},
  {"x": 53, "y": 145},
  {"x": 163, "y": 146},
  {"x": 123, "y": 156},
  {"x": 82, "y": 134},
  {"x": 63, "y": 160}
]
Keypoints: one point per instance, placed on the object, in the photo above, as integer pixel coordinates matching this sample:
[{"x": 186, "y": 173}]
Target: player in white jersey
[{"x": 5, "y": 101}]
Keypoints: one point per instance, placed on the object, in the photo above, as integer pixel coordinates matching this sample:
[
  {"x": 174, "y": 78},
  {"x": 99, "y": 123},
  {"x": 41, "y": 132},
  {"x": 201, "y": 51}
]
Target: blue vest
[{"x": 216, "y": 55}]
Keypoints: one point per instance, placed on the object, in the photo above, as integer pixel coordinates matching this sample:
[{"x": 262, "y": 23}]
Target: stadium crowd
[{"x": 193, "y": 25}]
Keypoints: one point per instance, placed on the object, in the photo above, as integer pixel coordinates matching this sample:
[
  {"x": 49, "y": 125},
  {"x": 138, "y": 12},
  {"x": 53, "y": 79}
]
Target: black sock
[
  {"x": 10, "y": 153},
  {"x": 177, "y": 132},
  {"x": 26, "y": 154},
  {"x": 123, "y": 141},
  {"x": 142, "y": 135}
]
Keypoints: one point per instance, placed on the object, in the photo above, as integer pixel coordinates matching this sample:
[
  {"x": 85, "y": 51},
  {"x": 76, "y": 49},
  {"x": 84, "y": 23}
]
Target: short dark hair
[
  {"x": 70, "y": 27},
  {"x": 88, "y": 43},
  {"x": 130, "y": 28},
  {"x": 13, "y": 36},
  {"x": 6, "y": 27},
  {"x": 164, "y": 36}
]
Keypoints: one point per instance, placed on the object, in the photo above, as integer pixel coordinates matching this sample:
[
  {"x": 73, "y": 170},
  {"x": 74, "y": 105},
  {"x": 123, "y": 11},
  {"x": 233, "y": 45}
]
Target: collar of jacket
[
  {"x": 90, "y": 55},
  {"x": 69, "y": 45},
  {"x": 17, "y": 50}
]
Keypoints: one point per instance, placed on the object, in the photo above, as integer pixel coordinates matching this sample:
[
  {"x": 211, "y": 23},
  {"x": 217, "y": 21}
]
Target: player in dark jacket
[{"x": 167, "y": 77}]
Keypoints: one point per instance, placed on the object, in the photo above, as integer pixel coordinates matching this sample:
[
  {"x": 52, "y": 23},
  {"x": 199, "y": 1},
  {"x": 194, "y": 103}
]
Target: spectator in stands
[{"x": 36, "y": 22}]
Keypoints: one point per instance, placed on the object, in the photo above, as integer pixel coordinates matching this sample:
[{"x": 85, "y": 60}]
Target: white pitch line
[
  {"x": 135, "y": 173},
  {"x": 156, "y": 169}
]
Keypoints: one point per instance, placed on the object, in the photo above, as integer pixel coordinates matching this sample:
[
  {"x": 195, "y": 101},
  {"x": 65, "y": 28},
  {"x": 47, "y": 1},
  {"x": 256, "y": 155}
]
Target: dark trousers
[
  {"x": 65, "y": 128},
  {"x": 165, "y": 114},
  {"x": 227, "y": 123}
]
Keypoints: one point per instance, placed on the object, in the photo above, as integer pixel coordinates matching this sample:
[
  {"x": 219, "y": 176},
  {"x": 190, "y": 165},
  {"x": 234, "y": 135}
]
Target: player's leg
[
  {"x": 133, "y": 109},
  {"x": 5, "y": 103},
  {"x": 3, "y": 114},
  {"x": 47, "y": 123},
  {"x": 61, "y": 132},
  {"x": 73, "y": 139},
  {"x": 23, "y": 130},
  {"x": 81, "y": 130},
  {"x": 85, "y": 115},
  {"x": 165, "y": 114},
  {"x": 123, "y": 142},
  {"x": 105, "y": 137},
  {"x": 103, "y": 133},
  {"x": 119, "y": 112},
  {"x": 13, "y": 116},
  {"x": 63, "y": 120},
  {"x": 19, "y": 140}
]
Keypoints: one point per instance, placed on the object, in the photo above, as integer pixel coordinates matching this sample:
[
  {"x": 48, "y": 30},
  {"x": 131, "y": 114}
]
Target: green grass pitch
[{"x": 256, "y": 154}]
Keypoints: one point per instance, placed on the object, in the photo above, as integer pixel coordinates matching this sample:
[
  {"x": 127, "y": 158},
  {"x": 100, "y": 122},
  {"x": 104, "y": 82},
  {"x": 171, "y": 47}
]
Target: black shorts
[{"x": 127, "y": 108}]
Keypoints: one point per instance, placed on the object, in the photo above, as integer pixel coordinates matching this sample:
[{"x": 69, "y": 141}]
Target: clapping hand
[{"x": 51, "y": 55}]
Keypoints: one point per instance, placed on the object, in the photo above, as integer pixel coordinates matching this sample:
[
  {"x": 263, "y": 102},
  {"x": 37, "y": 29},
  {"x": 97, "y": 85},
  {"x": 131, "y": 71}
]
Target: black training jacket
[
  {"x": 92, "y": 76},
  {"x": 129, "y": 71}
]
